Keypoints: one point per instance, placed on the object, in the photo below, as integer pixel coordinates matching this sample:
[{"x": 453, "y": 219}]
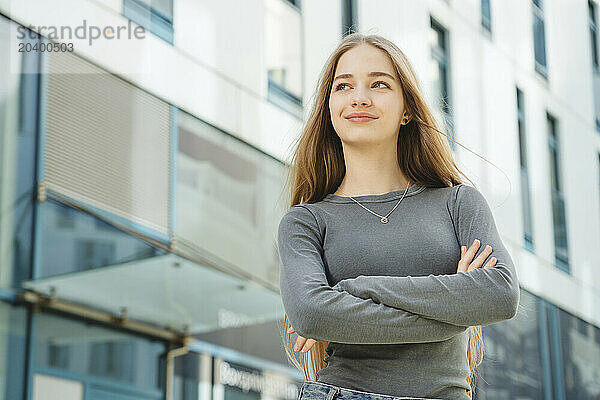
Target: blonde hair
[{"x": 317, "y": 166}]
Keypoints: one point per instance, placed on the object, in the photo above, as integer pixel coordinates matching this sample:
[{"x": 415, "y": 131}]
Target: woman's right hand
[{"x": 465, "y": 264}]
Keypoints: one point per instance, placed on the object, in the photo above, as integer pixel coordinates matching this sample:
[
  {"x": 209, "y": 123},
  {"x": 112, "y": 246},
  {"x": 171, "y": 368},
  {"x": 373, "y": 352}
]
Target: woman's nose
[
  {"x": 360, "y": 98},
  {"x": 363, "y": 101}
]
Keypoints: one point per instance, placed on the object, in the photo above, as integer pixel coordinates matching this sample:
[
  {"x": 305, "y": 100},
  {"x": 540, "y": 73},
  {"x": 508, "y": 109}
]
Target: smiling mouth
[{"x": 361, "y": 119}]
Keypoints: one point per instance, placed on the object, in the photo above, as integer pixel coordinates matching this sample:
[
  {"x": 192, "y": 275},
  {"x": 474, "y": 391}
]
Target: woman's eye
[
  {"x": 338, "y": 87},
  {"x": 383, "y": 83}
]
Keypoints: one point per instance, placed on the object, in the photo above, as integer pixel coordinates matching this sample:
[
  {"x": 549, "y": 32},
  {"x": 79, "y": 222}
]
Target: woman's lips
[{"x": 361, "y": 119}]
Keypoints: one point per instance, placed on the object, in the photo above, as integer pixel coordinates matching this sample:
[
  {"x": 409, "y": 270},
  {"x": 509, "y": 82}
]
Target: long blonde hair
[{"x": 317, "y": 166}]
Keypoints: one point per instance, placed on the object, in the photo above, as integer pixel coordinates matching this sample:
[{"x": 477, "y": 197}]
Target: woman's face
[{"x": 365, "y": 81}]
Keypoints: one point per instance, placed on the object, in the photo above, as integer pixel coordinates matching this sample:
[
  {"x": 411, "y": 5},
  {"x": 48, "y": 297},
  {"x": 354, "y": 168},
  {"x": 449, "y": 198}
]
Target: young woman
[{"x": 383, "y": 268}]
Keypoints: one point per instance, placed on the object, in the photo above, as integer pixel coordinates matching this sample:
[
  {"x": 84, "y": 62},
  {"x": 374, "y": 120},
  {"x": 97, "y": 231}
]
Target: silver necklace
[{"x": 384, "y": 220}]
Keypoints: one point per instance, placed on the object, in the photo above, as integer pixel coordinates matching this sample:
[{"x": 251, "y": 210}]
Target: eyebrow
[{"x": 375, "y": 73}]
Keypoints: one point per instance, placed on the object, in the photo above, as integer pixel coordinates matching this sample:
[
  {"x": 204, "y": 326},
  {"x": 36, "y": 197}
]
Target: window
[
  {"x": 283, "y": 55},
  {"x": 525, "y": 198},
  {"x": 593, "y": 34},
  {"x": 512, "y": 364},
  {"x": 486, "y": 15},
  {"x": 13, "y": 336},
  {"x": 349, "y": 17},
  {"x": 19, "y": 86},
  {"x": 83, "y": 349},
  {"x": 595, "y": 61},
  {"x": 228, "y": 198},
  {"x": 438, "y": 41},
  {"x": 154, "y": 15},
  {"x": 580, "y": 346},
  {"x": 558, "y": 203},
  {"x": 539, "y": 39},
  {"x": 85, "y": 245}
]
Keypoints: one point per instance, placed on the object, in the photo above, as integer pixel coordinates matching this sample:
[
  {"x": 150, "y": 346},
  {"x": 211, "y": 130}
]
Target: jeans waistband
[{"x": 331, "y": 392}]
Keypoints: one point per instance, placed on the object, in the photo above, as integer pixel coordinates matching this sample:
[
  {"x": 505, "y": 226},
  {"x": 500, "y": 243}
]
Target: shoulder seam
[
  {"x": 454, "y": 198},
  {"x": 311, "y": 213}
]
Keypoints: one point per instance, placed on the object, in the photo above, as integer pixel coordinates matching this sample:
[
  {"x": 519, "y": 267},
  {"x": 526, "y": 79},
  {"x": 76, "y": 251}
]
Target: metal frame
[
  {"x": 109, "y": 216},
  {"x": 149, "y": 18},
  {"x": 242, "y": 358},
  {"x": 45, "y": 192},
  {"x": 556, "y": 351},
  {"x": 173, "y": 184}
]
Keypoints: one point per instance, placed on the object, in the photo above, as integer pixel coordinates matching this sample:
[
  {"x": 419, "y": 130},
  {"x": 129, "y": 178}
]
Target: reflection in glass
[
  {"x": 13, "y": 344},
  {"x": 525, "y": 196},
  {"x": 85, "y": 349},
  {"x": 539, "y": 38},
  {"x": 187, "y": 375},
  {"x": 486, "y": 14},
  {"x": 560, "y": 230},
  {"x": 512, "y": 366},
  {"x": 71, "y": 241},
  {"x": 283, "y": 54},
  {"x": 229, "y": 199},
  {"x": 18, "y": 119},
  {"x": 438, "y": 70},
  {"x": 581, "y": 357},
  {"x": 558, "y": 202}
]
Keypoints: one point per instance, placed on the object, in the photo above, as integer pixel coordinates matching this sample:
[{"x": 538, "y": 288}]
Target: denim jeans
[{"x": 322, "y": 391}]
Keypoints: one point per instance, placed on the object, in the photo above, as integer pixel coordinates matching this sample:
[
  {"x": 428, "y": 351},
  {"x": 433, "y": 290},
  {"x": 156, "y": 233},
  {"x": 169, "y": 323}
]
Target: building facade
[{"x": 143, "y": 153}]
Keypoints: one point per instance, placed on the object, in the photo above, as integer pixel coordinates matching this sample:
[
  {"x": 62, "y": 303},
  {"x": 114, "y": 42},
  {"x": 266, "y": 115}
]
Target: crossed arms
[{"x": 392, "y": 309}]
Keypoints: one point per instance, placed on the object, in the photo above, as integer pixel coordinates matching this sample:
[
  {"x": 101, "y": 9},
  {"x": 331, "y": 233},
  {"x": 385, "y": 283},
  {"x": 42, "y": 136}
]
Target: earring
[{"x": 405, "y": 120}]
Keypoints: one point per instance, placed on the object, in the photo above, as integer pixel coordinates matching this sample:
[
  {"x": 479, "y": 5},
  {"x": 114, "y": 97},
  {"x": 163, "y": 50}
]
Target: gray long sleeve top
[{"x": 388, "y": 297}]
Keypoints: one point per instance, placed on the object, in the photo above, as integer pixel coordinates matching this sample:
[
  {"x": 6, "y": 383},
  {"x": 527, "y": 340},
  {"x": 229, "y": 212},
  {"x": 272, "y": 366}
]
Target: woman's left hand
[{"x": 302, "y": 342}]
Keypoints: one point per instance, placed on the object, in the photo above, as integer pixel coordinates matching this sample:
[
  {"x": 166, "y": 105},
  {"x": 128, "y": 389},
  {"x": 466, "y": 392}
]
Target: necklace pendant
[{"x": 384, "y": 220}]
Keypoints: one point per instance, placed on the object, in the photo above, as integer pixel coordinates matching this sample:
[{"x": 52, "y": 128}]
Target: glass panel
[
  {"x": 13, "y": 345},
  {"x": 163, "y": 7},
  {"x": 440, "y": 83},
  {"x": 439, "y": 37},
  {"x": 154, "y": 15},
  {"x": 349, "y": 17},
  {"x": 555, "y": 168},
  {"x": 63, "y": 389},
  {"x": 486, "y": 13},
  {"x": 539, "y": 40},
  {"x": 71, "y": 241},
  {"x": 522, "y": 146},
  {"x": 186, "y": 380},
  {"x": 243, "y": 382},
  {"x": 18, "y": 120},
  {"x": 594, "y": 42},
  {"x": 229, "y": 199},
  {"x": 438, "y": 68},
  {"x": 593, "y": 32},
  {"x": 551, "y": 125},
  {"x": 85, "y": 349},
  {"x": 283, "y": 51},
  {"x": 581, "y": 357},
  {"x": 512, "y": 365},
  {"x": 445, "y": 100},
  {"x": 560, "y": 228},
  {"x": 436, "y": 80},
  {"x": 526, "y": 205},
  {"x": 554, "y": 151},
  {"x": 257, "y": 338}
]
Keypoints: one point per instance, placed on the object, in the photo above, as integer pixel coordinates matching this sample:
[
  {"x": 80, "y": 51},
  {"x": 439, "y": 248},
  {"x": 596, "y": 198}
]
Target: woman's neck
[
  {"x": 371, "y": 170},
  {"x": 372, "y": 187}
]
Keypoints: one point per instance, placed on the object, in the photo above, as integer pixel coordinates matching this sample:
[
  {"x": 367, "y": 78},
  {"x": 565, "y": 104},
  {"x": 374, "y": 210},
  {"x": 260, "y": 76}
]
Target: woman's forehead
[{"x": 363, "y": 60}]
